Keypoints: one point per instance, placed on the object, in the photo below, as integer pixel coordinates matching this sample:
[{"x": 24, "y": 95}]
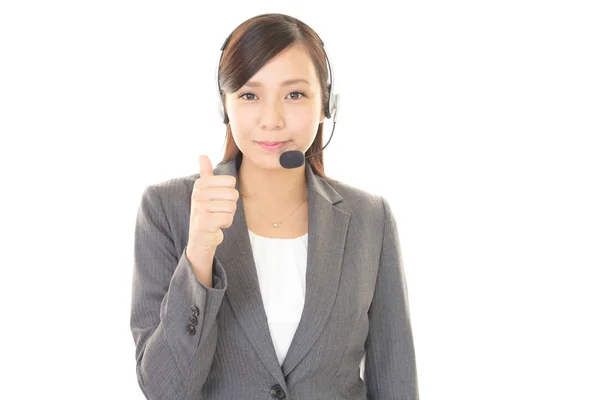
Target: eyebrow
[{"x": 284, "y": 83}]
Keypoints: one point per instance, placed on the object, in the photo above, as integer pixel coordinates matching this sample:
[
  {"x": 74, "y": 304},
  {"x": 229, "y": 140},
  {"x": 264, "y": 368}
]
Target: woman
[{"x": 255, "y": 281}]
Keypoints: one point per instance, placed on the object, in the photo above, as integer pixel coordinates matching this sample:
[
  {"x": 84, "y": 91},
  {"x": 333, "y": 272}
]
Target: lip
[{"x": 271, "y": 146}]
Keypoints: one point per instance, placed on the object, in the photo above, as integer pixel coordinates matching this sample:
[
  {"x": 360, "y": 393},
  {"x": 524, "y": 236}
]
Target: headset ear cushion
[
  {"x": 335, "y": 106},
  {"x": 220, "y": 110},
  {"x": 330, "y": 105}
]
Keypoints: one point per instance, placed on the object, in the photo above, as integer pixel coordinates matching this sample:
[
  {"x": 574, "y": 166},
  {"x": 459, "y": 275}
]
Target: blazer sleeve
[
  {"x": 173, "y": 354},
  {"x": 390, "y": 365}
]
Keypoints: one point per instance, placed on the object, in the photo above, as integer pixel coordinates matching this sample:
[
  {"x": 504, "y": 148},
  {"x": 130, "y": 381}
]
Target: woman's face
[{"x": 280, "y": 103}]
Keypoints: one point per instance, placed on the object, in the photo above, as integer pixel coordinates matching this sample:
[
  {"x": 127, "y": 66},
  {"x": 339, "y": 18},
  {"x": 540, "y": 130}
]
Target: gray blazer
[{"x": 196, "y": 342}]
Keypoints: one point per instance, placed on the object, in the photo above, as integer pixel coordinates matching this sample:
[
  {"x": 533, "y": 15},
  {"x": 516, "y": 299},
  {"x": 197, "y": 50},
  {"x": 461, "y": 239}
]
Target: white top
[{"x": 281, "y": 268}]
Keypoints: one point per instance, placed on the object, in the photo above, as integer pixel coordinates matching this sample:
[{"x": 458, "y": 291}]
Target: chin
[
  {"x": 265, "y": 161},
  {"x": 271, "y": 162}
]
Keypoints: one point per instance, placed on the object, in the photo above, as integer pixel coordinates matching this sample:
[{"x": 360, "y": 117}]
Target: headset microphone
[{"x": 295, "y": 158}]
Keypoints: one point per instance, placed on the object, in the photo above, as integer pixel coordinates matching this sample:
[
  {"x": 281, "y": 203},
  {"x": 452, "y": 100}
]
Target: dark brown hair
[{"x": 254, "y": 43}]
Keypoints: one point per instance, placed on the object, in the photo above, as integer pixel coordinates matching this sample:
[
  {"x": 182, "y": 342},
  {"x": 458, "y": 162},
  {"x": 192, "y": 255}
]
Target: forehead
[{"x": 294, "y": 62}]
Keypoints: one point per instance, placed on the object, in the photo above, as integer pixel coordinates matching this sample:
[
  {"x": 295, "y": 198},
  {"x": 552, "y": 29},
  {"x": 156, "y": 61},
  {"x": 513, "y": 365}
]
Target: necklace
[{"x": 276, "y": 224}]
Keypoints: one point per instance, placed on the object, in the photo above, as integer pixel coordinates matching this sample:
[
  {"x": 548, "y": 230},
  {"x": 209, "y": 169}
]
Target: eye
[
  {"x": 296, "y": 95},
  {"x": 252, "y": 96}
]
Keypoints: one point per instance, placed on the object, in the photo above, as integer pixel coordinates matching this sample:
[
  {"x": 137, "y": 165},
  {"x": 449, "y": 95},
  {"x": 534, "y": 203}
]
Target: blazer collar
[{"x": 327, "y": 230}]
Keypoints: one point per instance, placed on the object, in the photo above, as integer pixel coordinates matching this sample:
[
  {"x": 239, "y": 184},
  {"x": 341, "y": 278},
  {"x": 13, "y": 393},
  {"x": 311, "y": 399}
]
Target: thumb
[{"x": 206, "y": 168}]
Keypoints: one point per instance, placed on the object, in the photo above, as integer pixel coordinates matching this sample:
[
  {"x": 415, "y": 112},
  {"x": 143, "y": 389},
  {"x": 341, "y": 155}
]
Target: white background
[{"x": 479, "y": 121}]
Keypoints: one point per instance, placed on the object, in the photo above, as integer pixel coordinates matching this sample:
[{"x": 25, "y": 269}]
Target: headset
[{"x": 333, "y": 100}]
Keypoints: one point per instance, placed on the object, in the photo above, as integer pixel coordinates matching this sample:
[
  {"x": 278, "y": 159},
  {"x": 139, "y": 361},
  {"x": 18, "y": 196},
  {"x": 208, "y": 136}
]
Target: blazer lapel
[{"x": 327, "y": 229}]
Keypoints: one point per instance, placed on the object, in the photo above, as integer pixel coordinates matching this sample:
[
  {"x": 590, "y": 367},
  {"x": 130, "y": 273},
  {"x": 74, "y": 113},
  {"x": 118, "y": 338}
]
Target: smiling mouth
[{"x": 271, "y": 145}]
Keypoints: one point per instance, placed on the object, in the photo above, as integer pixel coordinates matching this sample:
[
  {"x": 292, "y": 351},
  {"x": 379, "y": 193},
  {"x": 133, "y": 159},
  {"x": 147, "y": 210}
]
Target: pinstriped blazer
[{"x": 196, "y": 342}]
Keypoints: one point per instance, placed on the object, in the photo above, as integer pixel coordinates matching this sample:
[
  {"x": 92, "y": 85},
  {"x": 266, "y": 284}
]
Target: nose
[{"x": 271, "y": 116}]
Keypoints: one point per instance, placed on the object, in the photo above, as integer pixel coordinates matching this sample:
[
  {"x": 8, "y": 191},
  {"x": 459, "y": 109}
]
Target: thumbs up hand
[{"x": 213, "y": 205}]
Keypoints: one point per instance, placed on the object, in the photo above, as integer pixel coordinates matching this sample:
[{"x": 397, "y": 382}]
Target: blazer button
[
  {"x": 277, "y": 392},
  {"x": 193, "y": 320},
  {"x": 191, "y": 330},
  {"x": 195, "y": 311}
]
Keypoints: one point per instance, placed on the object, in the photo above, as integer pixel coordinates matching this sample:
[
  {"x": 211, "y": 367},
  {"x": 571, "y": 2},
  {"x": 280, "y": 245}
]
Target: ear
[{"x": 322, "y": 118}]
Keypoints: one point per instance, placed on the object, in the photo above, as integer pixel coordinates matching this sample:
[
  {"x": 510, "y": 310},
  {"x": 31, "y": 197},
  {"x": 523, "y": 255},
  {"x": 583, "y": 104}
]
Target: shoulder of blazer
[
  {"x": 174, "y": 190},
  {"x": 357, "y": 200}
]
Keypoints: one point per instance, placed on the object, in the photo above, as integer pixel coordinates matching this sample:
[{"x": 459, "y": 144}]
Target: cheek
[
  {"x": 241, "y": 121},
  {"x": 304, "y": 117}
]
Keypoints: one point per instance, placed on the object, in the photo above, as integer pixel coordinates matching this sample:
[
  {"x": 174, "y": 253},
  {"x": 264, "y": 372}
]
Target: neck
[{"x": 272, "y": 186}]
